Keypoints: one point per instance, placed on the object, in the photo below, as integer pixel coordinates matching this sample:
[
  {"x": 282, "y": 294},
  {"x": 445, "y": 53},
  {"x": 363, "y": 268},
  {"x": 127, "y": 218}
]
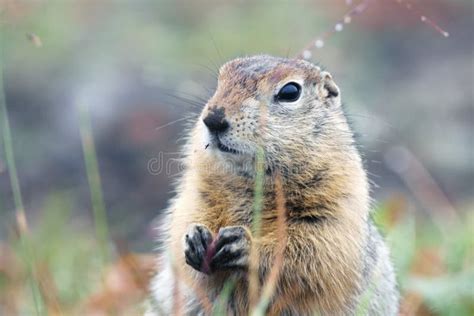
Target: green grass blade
[
  {"x": 26, "y": 250},
  {"x": 93, "y": 177}
]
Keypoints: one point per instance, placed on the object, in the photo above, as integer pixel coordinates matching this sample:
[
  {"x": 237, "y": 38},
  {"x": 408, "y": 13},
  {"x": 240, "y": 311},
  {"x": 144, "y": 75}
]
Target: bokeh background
[{"x": 143, "y": 70}]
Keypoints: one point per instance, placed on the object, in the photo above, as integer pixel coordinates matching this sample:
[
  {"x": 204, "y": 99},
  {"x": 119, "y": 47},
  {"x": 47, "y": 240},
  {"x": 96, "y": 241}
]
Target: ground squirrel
[{"x": 334, "y": 260}]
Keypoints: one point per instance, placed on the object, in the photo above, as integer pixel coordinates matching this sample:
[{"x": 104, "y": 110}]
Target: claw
[
  {"x": 230, "y": 249},
  {"x": 197, "y": 242}
]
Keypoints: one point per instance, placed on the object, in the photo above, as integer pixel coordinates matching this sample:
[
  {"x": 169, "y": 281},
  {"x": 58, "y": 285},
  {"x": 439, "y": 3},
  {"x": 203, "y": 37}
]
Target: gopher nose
[{"x": 216, "y": 122}]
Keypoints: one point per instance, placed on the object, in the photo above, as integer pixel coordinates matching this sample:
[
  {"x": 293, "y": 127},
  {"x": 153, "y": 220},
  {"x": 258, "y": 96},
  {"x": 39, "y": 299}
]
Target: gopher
[{"x": 287, "y": 114}]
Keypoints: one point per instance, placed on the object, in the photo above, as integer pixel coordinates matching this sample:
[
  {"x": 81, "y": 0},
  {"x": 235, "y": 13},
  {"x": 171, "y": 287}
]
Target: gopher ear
[{"x": 329, "y": 91}]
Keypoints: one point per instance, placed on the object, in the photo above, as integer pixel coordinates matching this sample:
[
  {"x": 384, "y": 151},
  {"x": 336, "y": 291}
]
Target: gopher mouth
[
  {"x": 225, "y": 148},
  {"x": 215, "y": 141}
]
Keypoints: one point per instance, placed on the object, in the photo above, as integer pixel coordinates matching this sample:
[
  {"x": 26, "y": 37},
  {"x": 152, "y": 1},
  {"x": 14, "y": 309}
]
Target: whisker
[
  {"x": 219, "y": 54},
  {"x": 213, "y": 72},
  {"x": 175, "y": 121},
  {"x": 193, "y": 103}
]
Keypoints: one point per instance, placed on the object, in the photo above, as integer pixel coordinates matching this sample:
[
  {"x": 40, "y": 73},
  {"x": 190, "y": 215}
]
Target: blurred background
[{"x": 143, "y": 70}]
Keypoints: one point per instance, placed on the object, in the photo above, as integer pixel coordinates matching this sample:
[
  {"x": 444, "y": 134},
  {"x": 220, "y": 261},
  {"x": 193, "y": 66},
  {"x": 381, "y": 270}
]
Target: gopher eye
[{"x": 289, "y": 92}]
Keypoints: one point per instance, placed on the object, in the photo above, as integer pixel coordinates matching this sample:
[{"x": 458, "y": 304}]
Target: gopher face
[{"x": 281, "y": 105}]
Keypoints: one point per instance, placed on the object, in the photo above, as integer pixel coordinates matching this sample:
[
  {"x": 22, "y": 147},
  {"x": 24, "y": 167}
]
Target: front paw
[
  {"x": 230, "y": 249},
  {"x": 197, "y": 244}
]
